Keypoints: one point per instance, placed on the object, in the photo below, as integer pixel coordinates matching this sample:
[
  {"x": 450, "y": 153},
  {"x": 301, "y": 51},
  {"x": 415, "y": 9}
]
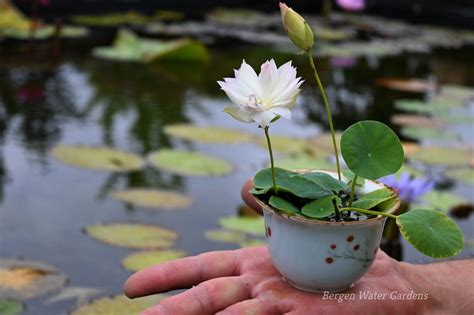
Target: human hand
[{"x": 244, "y": 281}]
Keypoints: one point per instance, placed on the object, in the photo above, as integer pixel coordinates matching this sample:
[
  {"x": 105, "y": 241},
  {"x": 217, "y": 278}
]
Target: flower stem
[
  {"x": 351, "y": 198},
  {"x": 271, "y": 158},
  {"x": 368, "y": 212},
  {"x": 331, "y": 126}
]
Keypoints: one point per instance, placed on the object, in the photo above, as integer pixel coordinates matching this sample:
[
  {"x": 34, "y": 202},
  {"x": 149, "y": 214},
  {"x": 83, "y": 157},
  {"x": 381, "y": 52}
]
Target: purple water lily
[
  {"x": 409, "y": 188},
  {"x": 351, "y": 5}
]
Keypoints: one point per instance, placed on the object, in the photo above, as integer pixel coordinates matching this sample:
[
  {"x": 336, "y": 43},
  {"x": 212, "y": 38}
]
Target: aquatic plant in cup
[{"x": 323, "y": 227}]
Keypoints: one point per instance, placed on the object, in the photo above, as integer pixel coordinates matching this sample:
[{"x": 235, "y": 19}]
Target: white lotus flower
[{"x": 271, "y": 94}]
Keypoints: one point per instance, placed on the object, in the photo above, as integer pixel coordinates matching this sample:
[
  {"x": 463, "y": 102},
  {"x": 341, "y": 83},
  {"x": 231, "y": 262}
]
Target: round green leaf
[
  {"x": 443, "y": 156},
  {"x": 431, "y": 232},
  {"x": 250, "y": 225},
  {"x": 11, "y": 307},
  {"x": 462, "y": 174},
  {"x": 283, "y": 205},
  {"x": 133, "y": 235},
  {"x": 152, "y": 198},
  {"x": 144, "y": 259},
  {"x": 119, "y": 304},
  {"x": 189, "y": 163},
  {"x": 24, "y": 279},
  {"x": 207, "y": 134},
  {"x": 225, "y": 236},
  {"x": 371, "y": 149},
  {"x": 319, "y": 208},
  {"x": 97, "y": 158}
]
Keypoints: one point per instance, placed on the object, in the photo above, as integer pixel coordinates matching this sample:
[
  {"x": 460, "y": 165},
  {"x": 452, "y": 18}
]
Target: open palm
[{"x": 245, "y": 282}]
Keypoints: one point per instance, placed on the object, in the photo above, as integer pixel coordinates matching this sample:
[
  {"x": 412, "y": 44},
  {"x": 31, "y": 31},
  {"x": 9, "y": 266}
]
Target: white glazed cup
[{"x": 318, "y": 256}]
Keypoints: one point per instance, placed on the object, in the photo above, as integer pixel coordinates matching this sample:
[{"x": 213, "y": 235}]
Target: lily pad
[
  {"x": 128, "y": 47},
  {"x": 119, "y": 304},
  {"x": 160, "y": 199},
  {"x": 373, "y": 198},
  {"x": 207, "y": 134},
  {"x": 418, "y": 106},
  {"x": 288, "y": 145},
  {"x": 251, "y": 243},
  {"x": 431, "y": 232},
  {"x": 442, "y": 200},
  {"x": 11, "y": 307},
  {"x": 133, "y": 235},
  {"x": 319, "y": 208},
  {"x": 443, "y": 156},
  {"x": 225, "y": 236},
  {"x": 189, "y": 163},
  {"x": 465, "y": 175},
  {"x": 407, "y": 85},
  {"x": 144, "y": 259},
  {"x": 371, "y": 149},
  {"x": 23, "y": 279},
  {"x": 417, "y": 121},
  {"x": 422, "y": 133},
  {"x": 324, "y": 143},
  {"x": 97, "y": 158},
  {"x": 283, "y": 205},
  {"x": 250, "y": 225}
]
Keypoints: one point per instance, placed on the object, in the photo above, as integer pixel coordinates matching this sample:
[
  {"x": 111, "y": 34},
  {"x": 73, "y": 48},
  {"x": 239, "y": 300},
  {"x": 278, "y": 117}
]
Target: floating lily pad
[
  {"x": 144, "y": 259},
  {"x": 251, "y": 243},
  {"x": 225, "y": 236},
  {"x": 133, "y": 235},
  {"x": 431, "y": 232},
  {"x": 287, "y": 145},
  {"x": 23, "y": 279},
  {"x": 251, "y": 225},
  {"x": 418, "y": 106},
  {"x": 153, "y": 198},
  {"x": 11, "y": 307},
  {"x": 465, "y": 175},
  {"x": 112, "y": 19},
  {"x": 442, "y": 200},
  {"x": 189, "y": 163},
  {"x": 304, "y": 162},
  {"x": 80, "y": 294},
  {"x": 97, "y": 158},
  {"x": 118, "y": 304},
  {"x": 418, "y": 121},
  {"x": 410, "y": 148},
  {"x": 128, "y": 47},
  {"x": 407, "y": 85},
  {"x": 443, "y": 156},
  {"x": 207, "y": 134},
  {"x": 422, "y": 133}
]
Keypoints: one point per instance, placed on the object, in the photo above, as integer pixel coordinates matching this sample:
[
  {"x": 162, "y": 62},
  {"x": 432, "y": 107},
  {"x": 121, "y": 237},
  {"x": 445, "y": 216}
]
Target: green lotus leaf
[
  {"x": 304, "y": 162},
  {"x": 283, "y": 205},
  {"x": 112, "y": 19},
  {"x": 421, "y": 133},
  {"x": 207, "y": 134},
  {"x": 288, "y": 145},
  {"x": 24, "y": 279},
  {"x": 320, "y": 208},
  {"x": 290, "y": 182},
  {"x": 11, "y": 307},
  {"x": 324, "y": 180},
  {"x": 97, "y": 158},
  {"x": 250, "y": 225},
  {"x": 442, "y": 200},
  {"x": 373, "y": 198},
  {"x": 431, "y": 232},
  {"x": 418, "y": 106},
  {"x": 465, "y": 175},
  {"x": 133, "y": 235},
  {"x": 144, "y": 259},
  {"x": 152, "y": 198},
  {"x": 225, "y": 236},
  {"x": 443, "y": 156},
  {"x": 119, "y": 304},
  {"x": 189, "y": 163},
  {"x": 371, "y": 149}
]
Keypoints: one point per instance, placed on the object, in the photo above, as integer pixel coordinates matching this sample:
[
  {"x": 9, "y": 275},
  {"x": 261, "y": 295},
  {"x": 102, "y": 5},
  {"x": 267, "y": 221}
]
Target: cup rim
[{"x": 268, "y": 208}]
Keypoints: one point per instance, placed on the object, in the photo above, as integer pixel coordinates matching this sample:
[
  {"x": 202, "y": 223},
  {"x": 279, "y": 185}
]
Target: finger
[
  {"x": 248, "y": 198},
  {"x": 254, "y": 306},
  {"x": 207, "y": 298},
  {"x": 182, "y": 273}
]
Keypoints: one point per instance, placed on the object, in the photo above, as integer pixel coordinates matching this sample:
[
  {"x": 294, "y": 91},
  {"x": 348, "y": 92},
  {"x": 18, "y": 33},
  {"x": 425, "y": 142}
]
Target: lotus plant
[{"x": 303, "y": 207}]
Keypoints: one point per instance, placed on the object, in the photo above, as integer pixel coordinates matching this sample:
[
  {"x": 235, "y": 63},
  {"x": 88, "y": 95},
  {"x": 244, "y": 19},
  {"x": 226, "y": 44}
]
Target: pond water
[{"x": 73, "y": 98}]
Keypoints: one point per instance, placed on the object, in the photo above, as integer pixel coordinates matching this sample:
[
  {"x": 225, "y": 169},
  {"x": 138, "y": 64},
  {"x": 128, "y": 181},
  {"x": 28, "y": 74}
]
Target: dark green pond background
[{"x": 76, "y": 99}]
